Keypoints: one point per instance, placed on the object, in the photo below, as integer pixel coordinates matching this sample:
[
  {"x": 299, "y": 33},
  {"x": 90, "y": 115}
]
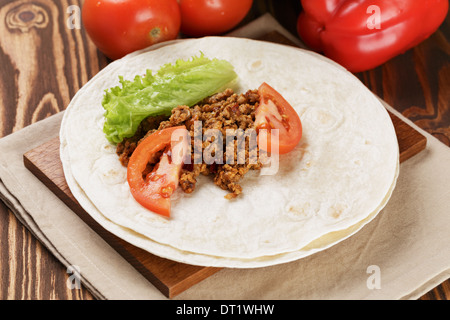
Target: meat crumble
[{"x": 227, "y": 112}]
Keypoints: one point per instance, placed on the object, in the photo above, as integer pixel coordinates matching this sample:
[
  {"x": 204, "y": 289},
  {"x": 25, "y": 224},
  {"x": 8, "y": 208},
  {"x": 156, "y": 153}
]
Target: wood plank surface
[{"x": 43, "y": 63}]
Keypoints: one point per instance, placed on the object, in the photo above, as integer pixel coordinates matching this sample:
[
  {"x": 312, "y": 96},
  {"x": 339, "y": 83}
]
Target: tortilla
[
  {"x": 171, "y": 253},
  {"x": 338, "y": 178}
]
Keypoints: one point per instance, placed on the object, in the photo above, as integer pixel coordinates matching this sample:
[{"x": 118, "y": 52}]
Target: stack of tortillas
[{"x": 337, "y": 180}]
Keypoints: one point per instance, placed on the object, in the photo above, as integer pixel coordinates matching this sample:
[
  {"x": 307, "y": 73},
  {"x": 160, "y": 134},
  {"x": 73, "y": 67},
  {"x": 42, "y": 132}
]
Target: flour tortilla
[
  {"x": 171, "y": 253},
  {"x": 335, "y": 181}
]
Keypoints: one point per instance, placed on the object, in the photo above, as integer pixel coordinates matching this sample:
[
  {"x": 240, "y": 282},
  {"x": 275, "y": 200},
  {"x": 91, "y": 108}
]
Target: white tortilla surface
[{"x": 337, "y": 180}]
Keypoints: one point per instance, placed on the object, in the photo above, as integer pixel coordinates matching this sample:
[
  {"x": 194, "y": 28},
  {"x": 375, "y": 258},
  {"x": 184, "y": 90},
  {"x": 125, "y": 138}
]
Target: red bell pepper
[{"x": 363, "y": 34}]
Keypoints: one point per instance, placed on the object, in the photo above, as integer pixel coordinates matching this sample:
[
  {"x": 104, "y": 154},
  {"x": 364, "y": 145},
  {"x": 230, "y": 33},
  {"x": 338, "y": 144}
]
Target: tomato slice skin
[
  {"x": 153, "y": 191},
  {"x": 274, "y": 112}
]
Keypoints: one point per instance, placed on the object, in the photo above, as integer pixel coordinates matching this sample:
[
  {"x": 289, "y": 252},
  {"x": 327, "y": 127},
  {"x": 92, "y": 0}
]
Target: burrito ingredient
[
  {"x": 361, "y": 35},
  {"x": 274, "y": 112},
  {"x": 224, "y": 111},
  {"x": 231, "y": 114},
  {"x": 205, "y": 18},
  {"x": 333, "y": 181},
  {"x": 185, "y": 82},
  {"x": 121, "y": 27},
  {"x": 153, "y": 173}
]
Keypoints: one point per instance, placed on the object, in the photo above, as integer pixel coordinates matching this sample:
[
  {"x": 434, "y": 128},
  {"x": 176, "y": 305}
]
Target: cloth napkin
[{"x": 403, "y": 253}]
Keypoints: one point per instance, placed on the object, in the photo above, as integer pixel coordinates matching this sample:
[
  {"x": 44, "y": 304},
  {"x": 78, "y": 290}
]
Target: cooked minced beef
[{"x": 222, "y": 111}]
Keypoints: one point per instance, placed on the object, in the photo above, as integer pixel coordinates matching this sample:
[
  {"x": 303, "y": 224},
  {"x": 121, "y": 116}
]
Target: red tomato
[
  {"x": 211, "y": 17},
  {"x": 274, "y": 112},
  {"x": 154, "y": 190},
  {"x": 119, "y": 27}
]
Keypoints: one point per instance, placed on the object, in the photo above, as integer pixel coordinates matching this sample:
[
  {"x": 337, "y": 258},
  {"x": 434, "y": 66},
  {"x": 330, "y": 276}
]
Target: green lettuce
[{"x": 186, "y": 82}]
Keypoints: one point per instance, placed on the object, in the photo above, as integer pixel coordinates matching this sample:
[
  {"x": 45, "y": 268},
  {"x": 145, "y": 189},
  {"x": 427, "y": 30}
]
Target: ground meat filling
[
  {"x": 223, "y": 111},
  {"x": 126, "y": 147}
]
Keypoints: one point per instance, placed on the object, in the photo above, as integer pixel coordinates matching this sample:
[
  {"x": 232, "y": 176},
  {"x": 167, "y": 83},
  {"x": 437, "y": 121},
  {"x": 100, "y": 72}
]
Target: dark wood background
[{"x": 43, "y": 63}]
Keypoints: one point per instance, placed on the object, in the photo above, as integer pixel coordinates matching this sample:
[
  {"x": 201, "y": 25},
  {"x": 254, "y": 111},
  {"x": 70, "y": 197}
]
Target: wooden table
[{"x": 43, "y": 63}]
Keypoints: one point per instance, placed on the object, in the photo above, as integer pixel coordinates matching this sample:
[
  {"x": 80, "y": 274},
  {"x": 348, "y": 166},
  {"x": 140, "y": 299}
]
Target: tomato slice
[
  {"x": 153, "y": 190},
  {"x": 274, "y": 112}
]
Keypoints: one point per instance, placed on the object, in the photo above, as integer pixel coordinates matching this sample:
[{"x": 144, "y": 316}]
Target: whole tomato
[
  {"x": 211, "y": 17},
  {"x": 119, "y": 27}
]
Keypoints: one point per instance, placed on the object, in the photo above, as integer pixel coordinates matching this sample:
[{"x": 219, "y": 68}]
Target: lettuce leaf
[{"x": 186, "y": 82}]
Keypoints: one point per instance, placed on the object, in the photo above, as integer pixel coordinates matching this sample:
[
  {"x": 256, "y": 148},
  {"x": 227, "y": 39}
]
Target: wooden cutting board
[{"x": 170, "y": 277}]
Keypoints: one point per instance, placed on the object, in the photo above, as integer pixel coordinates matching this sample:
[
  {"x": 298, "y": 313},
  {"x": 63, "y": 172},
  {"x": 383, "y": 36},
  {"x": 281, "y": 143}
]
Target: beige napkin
[{"x": 403, "y": 253}]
